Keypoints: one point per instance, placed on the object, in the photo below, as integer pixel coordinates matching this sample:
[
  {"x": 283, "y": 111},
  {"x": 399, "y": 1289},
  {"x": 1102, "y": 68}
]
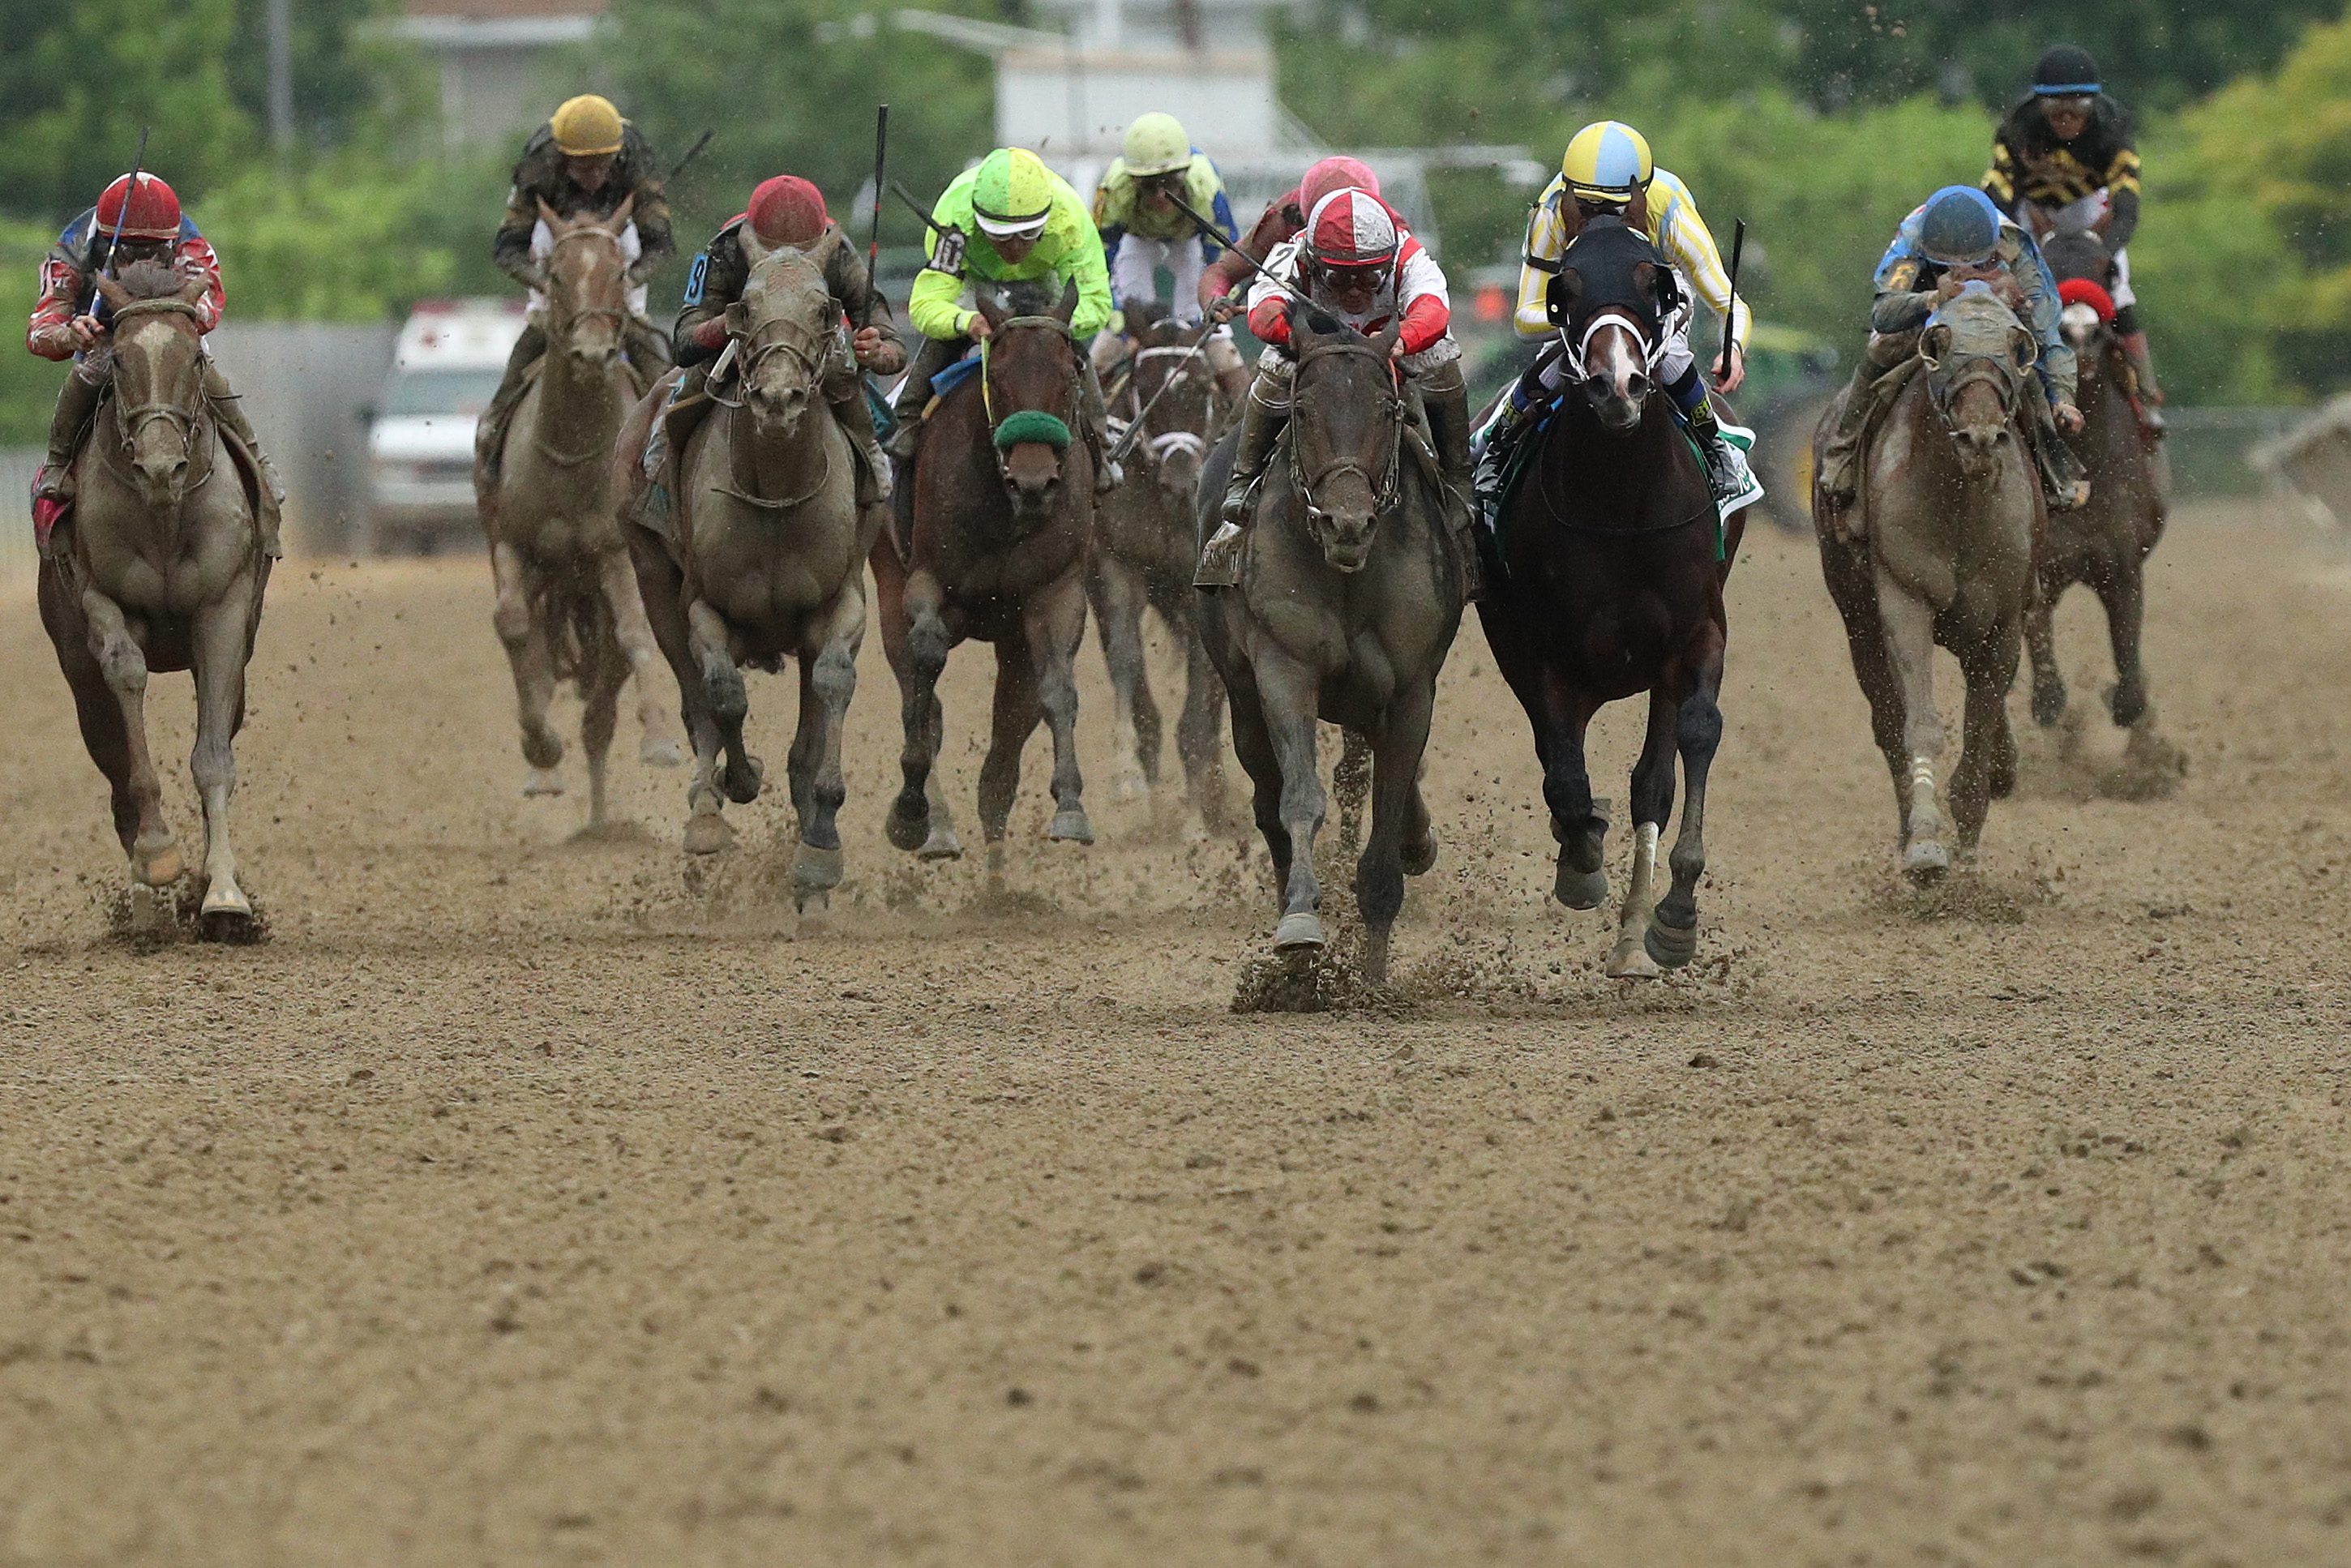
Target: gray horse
[
  {"x": 1349, "y": 599},
  {"x": 766, "y": 560},
  {"x": 160, "y": 565},
  {"x": 1950, "y": 512}
]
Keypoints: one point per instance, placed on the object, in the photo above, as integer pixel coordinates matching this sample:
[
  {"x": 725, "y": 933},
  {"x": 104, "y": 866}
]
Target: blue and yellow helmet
[{"x": 1607, "y": 161}]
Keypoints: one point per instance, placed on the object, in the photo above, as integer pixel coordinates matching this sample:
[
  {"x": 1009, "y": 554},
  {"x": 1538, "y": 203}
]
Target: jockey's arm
[
  {"x": 54, "y": 332},
  {"x": 1546, "y": 241},
  {"x": 716, "y": 282},
  {"x": 1268, "y": 303},
  {"x": 2122, "y": 199},
  {"x": 934, "y": 304},
  {"x": 1085, "y": 265},
  {"x": 1682, "y": 233},
  {"x": 510, "y": 248},
  {"x": 1425, "y": 304}
]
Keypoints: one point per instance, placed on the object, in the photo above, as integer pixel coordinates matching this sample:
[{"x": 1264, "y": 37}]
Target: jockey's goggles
[
  {"x": 1010, "y": 228},
  {"x": 2068, "y": 102}
]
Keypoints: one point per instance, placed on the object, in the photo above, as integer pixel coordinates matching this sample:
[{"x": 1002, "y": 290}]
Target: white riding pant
[
  {"x": 1135, "y": 274},
  {"x": 2081, "y": 217}
]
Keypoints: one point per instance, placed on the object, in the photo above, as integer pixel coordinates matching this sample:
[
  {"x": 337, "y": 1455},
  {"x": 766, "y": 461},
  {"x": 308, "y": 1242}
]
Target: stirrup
[{"x": 1220, "y": 558}]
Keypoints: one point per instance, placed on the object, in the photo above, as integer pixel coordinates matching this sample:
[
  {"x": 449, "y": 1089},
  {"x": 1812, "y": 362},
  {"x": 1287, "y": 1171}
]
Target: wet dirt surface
[{"x": 527, "y": 1199}]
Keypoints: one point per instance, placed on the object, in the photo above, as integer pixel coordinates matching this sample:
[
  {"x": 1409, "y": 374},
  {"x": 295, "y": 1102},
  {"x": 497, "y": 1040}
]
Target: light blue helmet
[{"x": 1959, "y": 224}]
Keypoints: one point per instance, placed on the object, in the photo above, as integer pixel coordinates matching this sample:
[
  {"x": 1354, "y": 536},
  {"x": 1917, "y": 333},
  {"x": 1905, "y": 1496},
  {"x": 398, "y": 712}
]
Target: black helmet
[{"x": 2065, "y": 70}]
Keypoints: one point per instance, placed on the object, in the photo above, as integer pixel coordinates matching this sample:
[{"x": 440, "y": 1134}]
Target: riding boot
[
  {"x": 1839, "y": 476},
  {"x": 78, "y": 403},
  {"x": 1262, "y": 421},
  {"x": 856, "y": 417},
  {"x": 1107, "y": 474},
  {"x": 490, "y": 431},
  {"x": 915, "y": 393},
  {"x": 2147, "y": 397},
  {"x": 2064, "y": 482},
  {"x": 1445, "y": 395},
  {"x": 229, "y": 408},
  {"x": 1734, "y": 483}
]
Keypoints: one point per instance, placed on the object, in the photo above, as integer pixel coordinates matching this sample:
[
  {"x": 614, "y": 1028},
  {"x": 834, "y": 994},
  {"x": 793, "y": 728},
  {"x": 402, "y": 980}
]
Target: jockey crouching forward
[
  {"x": 585, "y": 160},
  {"x": 1009, "y": 220},
  {"x": 784, "y": 210},
  {"x": 1607, "y": 169},
  {"x": 71, "y": 321},
  {"x": 1957, "y": 237},
  {"x": 1143, "y": 231},
  {"x": 1355, "y": 262},
  {"x": 1224, "y": 282}
]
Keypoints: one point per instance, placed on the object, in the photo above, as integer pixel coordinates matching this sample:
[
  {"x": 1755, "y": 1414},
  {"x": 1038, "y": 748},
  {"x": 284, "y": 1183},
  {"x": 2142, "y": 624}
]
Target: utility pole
[{"x": 281, "y": 75}]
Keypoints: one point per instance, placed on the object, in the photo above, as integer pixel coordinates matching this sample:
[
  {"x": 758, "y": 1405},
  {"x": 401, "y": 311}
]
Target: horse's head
[
  {"x": 158, "y": 378},
  {"x": 587, "y": 285},
  {"x": 788, "y": 324},
  {"x": 1170, "y": 394},
  {"x": 1609, "y": 302},
  {"x": 1028, "y": 382},
  {"x": 1347, "y": 433},
  {"x": 1978, "y": 356},
  {"x": 2085, "y": 276}
]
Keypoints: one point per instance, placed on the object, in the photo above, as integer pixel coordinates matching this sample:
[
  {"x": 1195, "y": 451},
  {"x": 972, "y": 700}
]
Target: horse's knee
[
  {"x": 213, "y": 764},
  {"x": 512, "y": 621},
  {"x": 927, "y": 645},
  {"x": 1698, "y": 729},
  {"x": 834, "y": 679}
]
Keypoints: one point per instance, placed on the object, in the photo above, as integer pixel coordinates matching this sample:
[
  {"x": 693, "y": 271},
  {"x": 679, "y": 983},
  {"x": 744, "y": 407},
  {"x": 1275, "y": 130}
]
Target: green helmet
[
  {"x": 1013, "y": 193},
  {"x": 1156, "y": 144}
]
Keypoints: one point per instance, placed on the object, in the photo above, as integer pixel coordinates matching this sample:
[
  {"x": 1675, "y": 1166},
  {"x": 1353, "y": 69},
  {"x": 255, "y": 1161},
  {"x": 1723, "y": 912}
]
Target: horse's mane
[
  {"x": 1030, "y": 297},
  {"x": 151, "y": 280}
]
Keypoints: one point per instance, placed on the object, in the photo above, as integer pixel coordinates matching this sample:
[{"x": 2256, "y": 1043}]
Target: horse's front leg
[
  {"x": 222, "y": 644},
  {"x": 2121, "y": 587},
  {"x": 534, "y": 667},
  {"x": 1288, "y": 698},
  {"x": 1652, "y": 803},
  {"x": 661, "y": 587},
  {"x": 1055, "y": 625},
  {"x": 1200, "y": 731},
  {"x": 1118, "y": 600},
  {"x": 1579, "y": 831},
  {"x": 917, "y": 640},
  {"x": 828, "y": 674},
  {"x": 728, "y": 698},
  {"x": 114, "y": 641},
  {"x": 1909, "y": 623},
  {"x": 1672, "y": 937},
  {"x": 1396, "y": 752},
  {"x": 631, "y": 625},
  {"x": 1987, "y": 749},
  {"x": 2041, "y": 640}
]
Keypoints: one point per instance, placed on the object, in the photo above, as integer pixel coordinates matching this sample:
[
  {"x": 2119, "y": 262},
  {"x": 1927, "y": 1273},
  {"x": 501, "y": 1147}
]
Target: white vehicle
[{"x": 446, "y": 368}]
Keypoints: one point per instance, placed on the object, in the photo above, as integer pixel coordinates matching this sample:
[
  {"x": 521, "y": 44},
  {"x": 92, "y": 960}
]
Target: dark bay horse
[
  {"x": 1349, "y": 599},
  {"x": 2102, "y": 544},
  {"x": 567, "y": 606},
  {"x": 1611, "y": 587},
  {"x": 766, "y": 561},
  {"x": 1146, "y": 552},
  {"x": 160, "y": 565},
  {"x": 1003, "y": 508},
  {"x": 1950, "y": 506}
]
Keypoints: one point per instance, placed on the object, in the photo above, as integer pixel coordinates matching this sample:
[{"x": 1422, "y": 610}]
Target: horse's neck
[
  {"x": 775, "y": 470},
  {"x": 1594, "y": 471},
  {"x": 574, "y": 400}
]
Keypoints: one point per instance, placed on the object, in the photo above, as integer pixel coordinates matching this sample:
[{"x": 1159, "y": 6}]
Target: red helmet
[
  {"x": 1351, "y": 228},
  {"x": 154, "y": 210},
  {"x": 1335, "y": 174},
  {"x": 2082, "y": 291},
  {"x": 787, "y": 210}
]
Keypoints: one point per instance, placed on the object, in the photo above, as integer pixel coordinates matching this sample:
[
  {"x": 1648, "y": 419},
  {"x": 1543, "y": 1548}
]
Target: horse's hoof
[
  {"x": 910, "y": 829},
  {"x": 814, "y": 870},
  {"x": 1580, "y": 889},
  {"x": 2127, "y": 707},
  {"x": 1299, "y": 933},
  {"x": 1070, "y": 826},
  {"x": 1629, "y": 960},
  {"x": 1671, "y": 946},
  {"x": 745, "y": 778},
  {"x": 1419, "y": 857},
  {"x": 707, "y": 833},
  {"x": 541, "y": 781},
  {"x": 660, "y": 753},
  {"x": 151, "y": 909},
  {"x": 161, "y": 869},
  {"x": 944, "y": 844},
  {"x": 226, "y": 900},
  {"x": 1925, "y": 860}
]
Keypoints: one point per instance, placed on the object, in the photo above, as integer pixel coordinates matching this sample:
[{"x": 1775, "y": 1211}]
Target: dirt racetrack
[{"x": 522, "y": 1202}]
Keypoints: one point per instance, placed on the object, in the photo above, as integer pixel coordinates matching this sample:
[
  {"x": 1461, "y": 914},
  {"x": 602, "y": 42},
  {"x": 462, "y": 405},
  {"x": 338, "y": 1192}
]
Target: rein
[
  {"x": 1163, "y": 446},
  {"x": 617, "y": 314},
  {"x": 1384, "y": 487},
  {"x": 1023, "y": 424},
  {"x": 131, "y": 418}
]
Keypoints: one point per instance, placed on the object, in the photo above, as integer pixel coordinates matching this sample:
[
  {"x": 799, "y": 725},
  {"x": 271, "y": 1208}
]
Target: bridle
[
  {"x": 1168, "y": 442},
  {"x": 997, "y": 441},
  {"x": 1382, "y": 486},
  {"x": 617, "y": 314},
  {"x": 130, "y": 419},
  {"x": 1576, "y": 347}
]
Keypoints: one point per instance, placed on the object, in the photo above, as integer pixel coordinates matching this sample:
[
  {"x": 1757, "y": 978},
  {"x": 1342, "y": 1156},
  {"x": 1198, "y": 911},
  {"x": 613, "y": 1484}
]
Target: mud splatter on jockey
[{"x": 1143, "y": 231}]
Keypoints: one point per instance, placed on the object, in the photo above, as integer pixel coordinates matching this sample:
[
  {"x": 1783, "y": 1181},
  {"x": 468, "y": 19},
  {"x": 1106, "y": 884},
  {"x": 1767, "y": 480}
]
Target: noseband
[
  {"x": 1382, "y": 486},
  {"x": 1652, "y": 347},
  {"x": 1021, "y": 425},
  {"x": 1168, "y": 442},
  {"x": 131, "y": 419}
]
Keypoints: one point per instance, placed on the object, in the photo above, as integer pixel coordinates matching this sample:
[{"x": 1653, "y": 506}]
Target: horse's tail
[{"x": 582, "y": 638}]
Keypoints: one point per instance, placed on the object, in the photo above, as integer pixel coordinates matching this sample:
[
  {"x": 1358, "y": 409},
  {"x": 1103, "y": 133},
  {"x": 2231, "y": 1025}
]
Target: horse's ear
[
  {"x": 1934, "y": 343},
  {"x": 1067, "y": 310},
  {"x": 192, "y": 291},
  {"x": 985, "y": 302},
  {"x": 2023, "y": 345},
  {"x": 116, "y": 294},
  {"x": 754, "y": 249},
  {"x": 1564, "y": 289},
  {"x": 619, "y": 218},
  {"x": 1654, "y": 284},
  {"x": 547, "y": 214}
]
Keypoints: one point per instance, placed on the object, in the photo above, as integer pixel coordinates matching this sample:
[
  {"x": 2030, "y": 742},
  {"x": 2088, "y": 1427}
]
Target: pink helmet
[
  {"x": 1335, "y": 174},
  {"x": 1351, "y": 228},
  {"x": 787, "y": 210}
]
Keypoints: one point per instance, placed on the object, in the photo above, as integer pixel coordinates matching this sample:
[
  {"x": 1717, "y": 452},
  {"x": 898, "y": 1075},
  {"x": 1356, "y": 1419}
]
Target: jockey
[
  {"x": 1355, "y": 261},
  {"x": 584, "y": 159},
  {"x": 71, "y": 322},
  {"x": 1224, "y": 286},
  {"x": 2063, "y": 161},
  {"x": 786, "y": 211},
  {"x": 1607, "y": 169},
  {"x": 1957, "y": 237},
  {"x": 1142, "y": 231},
  {"x": 1007, "y": 220}
]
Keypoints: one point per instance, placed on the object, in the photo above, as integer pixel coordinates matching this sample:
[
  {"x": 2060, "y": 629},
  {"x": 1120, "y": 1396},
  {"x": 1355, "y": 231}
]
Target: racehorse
[
  {"x": 567, "y": 601},
  {"x": 766, "y": 560},
  {"x": 1611, "y": 558},
  {"x": 2104, "y": 542},
  {"x": 1003, "y": 521},
  {"x": 1951, "y": 507},
  {"x": 1349, "y": 599},
  {"x": 1146, "y": 552},
  {"x": 160, "y": 565}
]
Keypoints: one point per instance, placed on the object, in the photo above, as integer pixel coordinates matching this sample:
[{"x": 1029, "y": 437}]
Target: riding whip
[
  {"x": 1126, "y": 442},
  {"x": 1730, "y": 311},
  {"x": 137, "y": 163},
  {"x": 1213, "y": 232},
  {"x": 691, "y": 154},
  {"x": 929, "y": 222},
  {"x": 880, "y": 164}
]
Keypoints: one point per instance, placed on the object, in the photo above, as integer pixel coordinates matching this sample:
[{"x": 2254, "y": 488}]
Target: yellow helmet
[
  {"x": 1607, "y": 161},
  {"x": 1013, "y": 193},
  {"x": 586, "y": 126},
  {"x": 1156, "y": 144}
]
